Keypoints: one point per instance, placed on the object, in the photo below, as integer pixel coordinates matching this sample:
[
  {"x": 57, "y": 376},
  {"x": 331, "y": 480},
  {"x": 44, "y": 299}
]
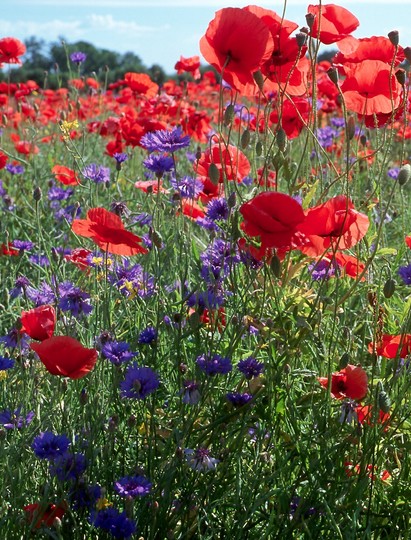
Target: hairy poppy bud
[
  {"x": 281, "y": 139},
  {"x": 333, "y": 74},
  {"x": 400, "y": 76},
  {"x": 310, "y": 18},
  {"x": 350, "y": 128},
  {"x": 214, "y": 173},
  {"x": 259, "y": 79},
  {"x": 389, "y": 288},
  {"x": 404, "y": 174},
  {"x": 394, "y": 37},
  {"x": 245, "y": 139},
  {"x": 344, "y": 361},
  {"x": 229, "y": 114},
  {"x": 407, "y": 53},
  {"x": 37, "y": 194},
  {"x": 301, "y": 39}
]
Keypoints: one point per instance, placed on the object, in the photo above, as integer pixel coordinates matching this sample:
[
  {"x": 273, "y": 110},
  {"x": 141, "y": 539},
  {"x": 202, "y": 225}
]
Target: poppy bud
[
  {"x": 407, "y": 53},
  {"x": 259, "y": 148},
  {"x": 384, "y": 401},
  {"x": 344, "y": 361},
  {"x": 404, "y": 174},
  {"x": 394, "y": 37},
  {"x": 333, "y": 74},
  {"x": 259, "y": 79},
  {"x": 275, "y": 266},
  {"x": 232, "y": 199},
  {"x": 350, "y": 128},
  {"x": 214, "y": 173},
  {"x": 389, "y": 288},
  {"x": 198, "y": 153},
  {"x": 37, "y": 194},
  {"x": 301, "y": 39},
  {"x": 310, "y": 18},
  {"x": 229, "y": 114},
  {"x": 245, "y": 139},
  {"x": 400, "y": 76},
  {"x": 363, "y": 140},
  {"x": 281, "y": 139}
]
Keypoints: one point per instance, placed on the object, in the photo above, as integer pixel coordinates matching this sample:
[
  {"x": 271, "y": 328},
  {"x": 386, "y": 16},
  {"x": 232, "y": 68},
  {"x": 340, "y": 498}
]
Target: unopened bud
[
  {"x": 350, "y": 128},
  {"x": 310, "y": 18},
  {"x": 407, "y": 53},
  {"x": 229, "y": 114},
  {"x": 333, "y": 74},
  {"x": 198, "y": 153},
  {"x": 214, "y": 173},
  {"x": 400, "y": 76},
  {"x": 363, "y": 140},
  {"x": 259, "y": 79},
  {"x": 394, "y": 37},
  {"x": 232, "y": 199},
  {"x": 389, "y": 288},
  {"x": 245, "y": 139},
  {"x": 37, "y": 194},
  {"x": 301, "y": 39},
  {"x": 281, "y": 139},
  {"x": 404, "y": 174}
]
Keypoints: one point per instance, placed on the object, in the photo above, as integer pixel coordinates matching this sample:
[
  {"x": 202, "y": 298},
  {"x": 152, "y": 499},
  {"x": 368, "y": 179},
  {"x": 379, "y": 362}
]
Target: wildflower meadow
[{"x": 205, "y": 327}]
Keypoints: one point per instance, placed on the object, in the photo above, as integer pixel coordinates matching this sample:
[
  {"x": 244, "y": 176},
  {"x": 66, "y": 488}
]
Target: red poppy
[
  {"x": 408, "y": 240},
  {"x": 389, "y": 346},
  {"x": 334, "y": 223},
  {"x": 365, "y": 415},
  {"x": 231, "y": 163},
  {"x": 79, "y": 257},
  {"x": 65, "y": 356},
  {"x": 39, "y": 323},
  {"x": 351, "y": 266},
  {"x": 107, "y": 230},
  {"x": 3, "y": 160},
  {"x": 369, "y": 471},
  {"x": 141, "y": 84},
  {"x": 237, "y": 43},
  {"x": 65, "y": 176},
  {"x": 371, "y": 88},
  {"x": 26, "y": 147},
  {"x": 350, "y": 382},
  {"x": 8, "y": 250},
  {"x": 294, "y": 116},
  {"x": 332, "y": 23},
  {"x": 272, "y": 216},
  {"x": 40, "y": 514},
  {"x": 10, "y": 50},
  {"x": 192, "y": 210},
  {"x": 150, "y": 186},
  {"x": 354, "y": 50},
  {"x": 189, "y": 65}
]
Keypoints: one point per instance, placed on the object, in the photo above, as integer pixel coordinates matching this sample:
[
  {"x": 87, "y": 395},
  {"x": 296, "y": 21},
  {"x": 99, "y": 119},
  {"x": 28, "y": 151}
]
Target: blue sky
[{"x": 159, "y": 31}]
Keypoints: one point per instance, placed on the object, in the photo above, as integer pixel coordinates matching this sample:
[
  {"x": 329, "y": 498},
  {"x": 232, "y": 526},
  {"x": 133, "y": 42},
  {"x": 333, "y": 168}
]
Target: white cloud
[
  {"x": 108, "y": 23},
  {"x": 185, "y": 3},
  {"x": 47, "y": 30}
]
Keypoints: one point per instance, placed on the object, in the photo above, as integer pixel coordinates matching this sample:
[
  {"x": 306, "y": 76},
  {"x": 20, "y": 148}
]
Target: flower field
[{"x": 205, "y": 327}]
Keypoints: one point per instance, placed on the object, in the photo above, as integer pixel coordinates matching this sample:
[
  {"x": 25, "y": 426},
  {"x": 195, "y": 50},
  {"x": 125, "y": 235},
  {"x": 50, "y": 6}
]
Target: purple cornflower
[
  {"x": 148, "y": 335},
  {"x": 238, "y": 399},
  {"x": 47, "y": 445},
  {"x": 6, "y": 363},
  {"x": 393, "y": 173},
  {"x": 250, "y": 367},
  {"x": 113, "y": 522},
  {"x": 348, "y": 411},
  {"x": 326, "y": 136},
  {"x": 22, "y": 245},
  {"x": 139, "y": 382},
  {"x": 68, "y": 466},
  {"x": 14, "y": 339},
  {"x": 78, "y": 57},
  {"x": 187, "y": 186},
  {"x": 132, "y": 280},
  {"x": 14, "y": 168},
  {"x": 405, "y": 274},
  {"x": 143, "y": 219},
  {"x": 214, "y": 365},
  {"x": 117, "y": 352},
  {"x": 56, "y": 193},
  {"x": 133, "y": 486},
  {"x": 40, "y": 260},
  {"x": 322, "y": 270},
  {"x": 120, "y": 157},
  {"x": 159, "y": 165},
  {"x": 163, "y": 140},
  {"x": 338, "y": 122},
  {"x": 14, "y": 420},
  {"x": 20, "y": 286},
  {"x": 218, "y": 260},
  {"x": 217, "y": 210},
  {"x": 74, "y": 300},
  {"x": 191, "y": 393},
  {"x": 43, "y": 295},
  {"x": 96, "y": 173},
  {"x": 200, "y": 459},
  {"x": 205, "y": 300},
  {"x": 83, "y": 496}
]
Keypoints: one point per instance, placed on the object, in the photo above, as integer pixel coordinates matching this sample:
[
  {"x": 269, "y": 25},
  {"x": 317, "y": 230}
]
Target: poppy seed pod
[
  {"x": 407, "y": 53},
  {"x": 301, "y": 39},
  {"x": 310, "y": 18},
  {"x": 404, "y": 174},
  {"x": 400, "y": 76},
  {"x": 394, "y": 37},
  {"x": 350, "y": 128},
  {"x": 333, "y": 74}
]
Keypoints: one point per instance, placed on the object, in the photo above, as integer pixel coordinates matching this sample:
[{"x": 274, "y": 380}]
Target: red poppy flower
[
  {"x": 408, "y": 240},
  {"x": 371, "y": 88},
  {"x": 65, "y": 176},
  {"x": 39, "y": 514},
  {"x": 79, "y": 257},
  {"x": 9, "y": 250},
  {"x": 141, "y": 84},
  {"x": 350, "y": 382},
  {"x": 3, "y": 160},
  {"x": 192, "y": 210},
  {"x": 333, "y": 223},
  {"x": 231, "y": 163},
  {"x": 39, "y": 323},
  {"x": 189, "y": 65},
  {"x": 294, "y": 116},
  {"x": 10, "y": 50},
  {"x": 351, "y": 266},
  {"x": 365, "y": 415},
  {"x": 150, "y": 186},
  {"x": 237, "y": 43},
  {"x": 354, "y": 50},
  {"x": 272, "y": 216},
  {"x": 389, "y": 346},
  {"x": 332, "y": 23},
  {"x": 107, "y": 230},
  {"x": 65, "y": 356},
  {"x": 26, "y": 147}
]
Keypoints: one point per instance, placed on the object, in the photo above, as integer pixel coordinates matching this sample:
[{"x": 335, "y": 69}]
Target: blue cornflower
[
  {"x": 217, "y": 210},
  {"x": 139, "y": 382},
  {"x": 159, "y": 164},
  {"x": 68, "y": 466},
  {"x": 214, "y": 365},
  {"x": 338, "y": 122},
  {"x": 120, "y": 157},
  {"x": 148, "y": 335},
  {"x": 191, "y": 393},
  {"x": 114, "y": 522},
  {"x": 322, "y": 270},
  {"x": 97, "y": 173},
  {"x": 67, "y": 213},
  {"x": 405, "y": 274},
  {"x": 218, "y": 260},
  {"x": 250, "y": 367},
  {"x": 205, "y": 300},
  {"x": 393, "y": 173},
  {"x": 43, "y": 295},
  {"x": 133, "y": 486},
  {"x": 163, "y": 140},
  {"x": 143, "y": 219},
  {"x": 23, "y": 245},
  {"x": 6, "y": 363},
  {"x": 326, "y": 136},
  {"x": 132, "y": 280},
  {"x": 238, "y": 399},
  {"x": 14, "y": 420},
  {"x": 74, "y": 300},
  {"x": 47, "y": 445},
  {"x": 14, "y": 338},
  {"x": 84, "y": 496},
  {"x": 117, "y": 352},
  {"x": 14, "y": 169},
  {"x": 40, "y": 260},
  {"x": 188, "y": 187},
  {"x": 56, "y": 193},
  {"x": 20, "y": 286},
  {"x": 200, "y": 459},
  {"x": 78, "y": 57}
]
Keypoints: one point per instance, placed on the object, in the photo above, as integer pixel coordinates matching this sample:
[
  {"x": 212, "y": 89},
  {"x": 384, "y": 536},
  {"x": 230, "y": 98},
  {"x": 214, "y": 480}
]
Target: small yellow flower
[
  {"x": 102, "y": 503},
  {"x": 3, "y": 375}
]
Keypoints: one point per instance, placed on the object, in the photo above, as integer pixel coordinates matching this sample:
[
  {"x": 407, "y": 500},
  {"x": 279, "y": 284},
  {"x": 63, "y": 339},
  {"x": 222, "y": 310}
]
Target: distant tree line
[{"x": 49, "y": 64}]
